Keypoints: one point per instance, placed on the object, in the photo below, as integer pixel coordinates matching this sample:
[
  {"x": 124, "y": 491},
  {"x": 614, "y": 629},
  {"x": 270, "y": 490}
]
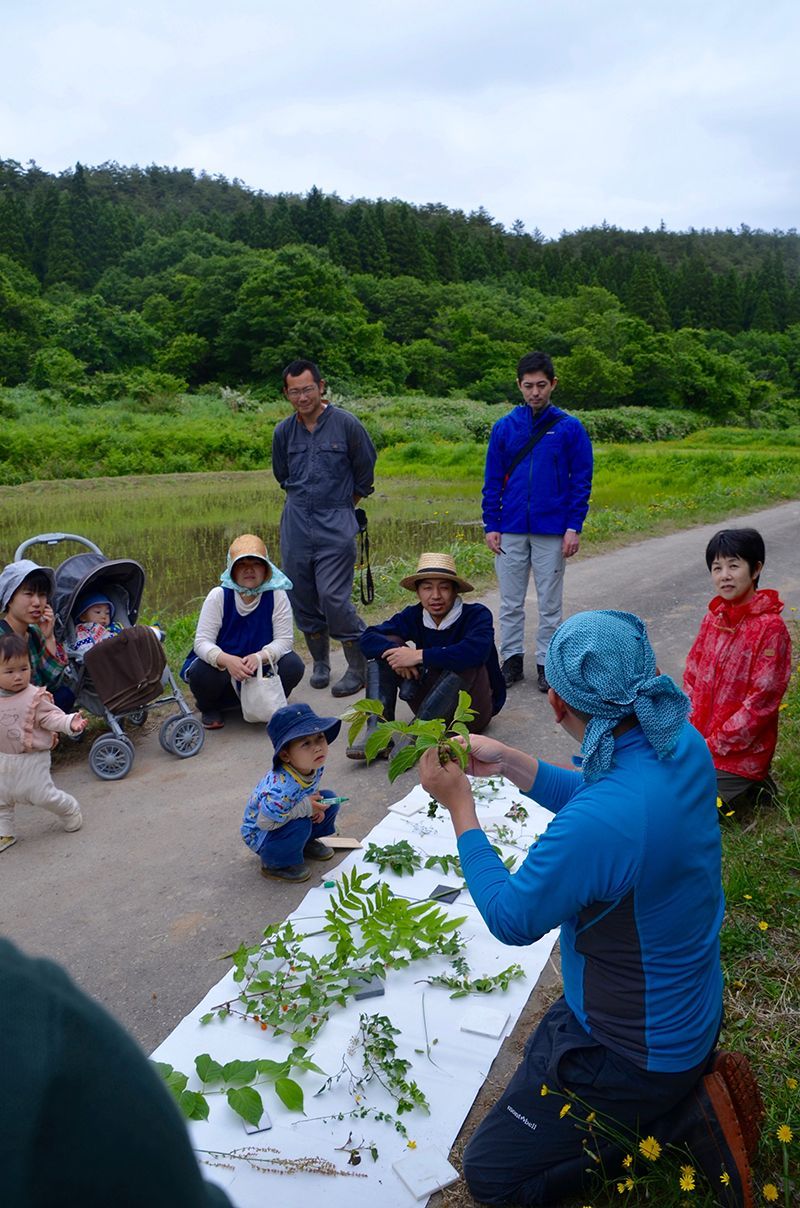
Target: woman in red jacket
[{"x": 738, "y": 668}]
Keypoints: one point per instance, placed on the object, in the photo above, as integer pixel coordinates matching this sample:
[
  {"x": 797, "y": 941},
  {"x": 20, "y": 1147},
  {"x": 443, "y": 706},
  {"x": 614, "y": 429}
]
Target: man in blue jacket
[
  {"x": 536, "y": 490},
  {"x": 432, "y": 650},
  {"x": 630, "y": 868}
]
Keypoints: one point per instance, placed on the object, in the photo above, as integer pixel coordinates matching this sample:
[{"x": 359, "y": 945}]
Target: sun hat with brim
[
  {"x": 298, "y": 721},
  {"x": 89, "y": 600},
  {"x": 435, "y": 566},
  {"x": 248, "y": 545},
  {"x": 14, "y": 575}
]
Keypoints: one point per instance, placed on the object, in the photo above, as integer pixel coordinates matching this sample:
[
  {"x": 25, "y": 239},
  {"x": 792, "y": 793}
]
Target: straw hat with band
[
  {"x": 435, "y": 566},
  {"x": 250, "y": 546}
]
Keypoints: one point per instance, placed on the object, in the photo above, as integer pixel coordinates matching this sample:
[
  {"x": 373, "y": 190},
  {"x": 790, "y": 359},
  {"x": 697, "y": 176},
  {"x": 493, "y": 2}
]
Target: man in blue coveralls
[
  {"x": 630, "y": 868},
  {"x": 325, "y": 461}
]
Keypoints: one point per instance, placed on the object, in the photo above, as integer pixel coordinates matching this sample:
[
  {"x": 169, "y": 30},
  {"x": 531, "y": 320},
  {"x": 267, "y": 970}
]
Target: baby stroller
[{"x": 121, "y": 677}]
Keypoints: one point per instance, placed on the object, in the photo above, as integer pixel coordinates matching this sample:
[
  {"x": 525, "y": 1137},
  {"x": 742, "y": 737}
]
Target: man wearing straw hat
[
  {"x": 433, "y": 650},
  {"x": 630, "y": 868}
]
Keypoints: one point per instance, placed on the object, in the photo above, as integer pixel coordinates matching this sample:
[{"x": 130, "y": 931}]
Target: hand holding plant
[{"x": 451, "y": 744}]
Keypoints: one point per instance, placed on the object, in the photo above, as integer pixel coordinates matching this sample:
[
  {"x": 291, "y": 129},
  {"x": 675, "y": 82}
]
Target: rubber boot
[
  {"x": 355, "y": 676},
  {"x": 378, "y": 688},
  {"x": 319, "y": 648},
  {"x": 442, "y": 699}
]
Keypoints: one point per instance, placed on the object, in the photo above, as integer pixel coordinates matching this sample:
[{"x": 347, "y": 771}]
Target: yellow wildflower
[
  {"x": 649, "y": 1148},
  {"x": 791, "y": 1083},
  {"x": 762, "y": 926},
  {"x": 725, "y": 1178},
  {"x": 411, "y": 1144},
  {"x": 687, "y": 1181},
  {"x": 748, "y": 897},
  {"x": 629, "y": 1184},
  {"x": 770, "y": 1192},
  {"x": 689, "y": 1170},
  {"x": 544, "y": 1090},
  {"x": 591, "y": 1117},
  {"x": 566, "y": 1108},
  {"x": 621, "y": 1188},
  {"x": 627, "y": 1160},
  {"x": 784, "y": 1134}
]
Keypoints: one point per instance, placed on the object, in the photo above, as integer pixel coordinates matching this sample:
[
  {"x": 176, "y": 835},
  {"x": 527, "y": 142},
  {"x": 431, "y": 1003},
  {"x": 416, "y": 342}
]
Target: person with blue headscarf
[
  {"x": 247, "y": 618},
  {"x": 630, "y": 869}
]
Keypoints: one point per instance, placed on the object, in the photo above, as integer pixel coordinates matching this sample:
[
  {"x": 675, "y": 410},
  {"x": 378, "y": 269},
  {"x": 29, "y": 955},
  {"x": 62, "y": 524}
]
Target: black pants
[
  {"x": 526, "y": 1152},
  {"x": 213, "y": 690}
]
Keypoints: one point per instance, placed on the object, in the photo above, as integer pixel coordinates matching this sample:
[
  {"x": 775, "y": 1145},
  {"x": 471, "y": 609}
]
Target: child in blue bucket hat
[{"x": 288, "y": 814}]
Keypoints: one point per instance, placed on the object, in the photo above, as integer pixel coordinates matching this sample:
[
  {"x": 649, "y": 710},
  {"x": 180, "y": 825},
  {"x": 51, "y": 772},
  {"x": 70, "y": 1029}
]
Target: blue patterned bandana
[{"x": 601, "y": 663}]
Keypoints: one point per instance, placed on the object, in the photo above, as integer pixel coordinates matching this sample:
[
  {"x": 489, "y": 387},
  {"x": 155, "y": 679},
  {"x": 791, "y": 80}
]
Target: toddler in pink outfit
[{"x": 29, "y": 722}]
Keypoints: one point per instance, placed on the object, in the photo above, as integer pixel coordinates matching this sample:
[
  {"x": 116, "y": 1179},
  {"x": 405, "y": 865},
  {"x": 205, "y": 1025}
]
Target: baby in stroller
[
  {"x": 95, "y": 613},
  {"x": 121, "y": 671}
]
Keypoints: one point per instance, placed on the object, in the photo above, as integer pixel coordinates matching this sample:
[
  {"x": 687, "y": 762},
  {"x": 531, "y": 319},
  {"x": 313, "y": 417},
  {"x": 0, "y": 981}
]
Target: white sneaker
[
  {"x": 73, "y": 822},
  {"x": 7, "y": 841}
]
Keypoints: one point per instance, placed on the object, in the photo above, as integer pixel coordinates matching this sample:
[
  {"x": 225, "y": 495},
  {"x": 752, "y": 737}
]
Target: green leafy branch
[
  {"x": 400, "y": 857},
  {"x": 238, "y": 1081},
  {"x": 257, "y": 1158},
  {"x": 463, "y": 984},
  {"x": 413, "y": 738},
  {"x": 380, "y": 1062}
]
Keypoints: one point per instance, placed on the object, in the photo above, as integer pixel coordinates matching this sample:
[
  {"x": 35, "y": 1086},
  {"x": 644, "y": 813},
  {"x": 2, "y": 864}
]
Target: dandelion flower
[
  {"x": 621, "y": 1188},
  {"x": 725, "y": 1178},
  {"x": 591, "y": 1117},
  {"x": 629, "y": 1184},
  {"x": 411, "y": 1145},
  {"x": 689, "y": 1170},
  {"x": 687, "y": 1180},
  {"x": 627, "y": 1160},
  {"x": 566, "y": 1108},
  {"x": 762, "y": 926},
  {"x": 649, "y": 1148},
  {"x": 748, "y": 897},
  {"x": 784, "y": 1134},
  {"x": 791, "y": 1083},
  {"x": 770, "y": 1192},
  {"x": 544, "y": 1090}
]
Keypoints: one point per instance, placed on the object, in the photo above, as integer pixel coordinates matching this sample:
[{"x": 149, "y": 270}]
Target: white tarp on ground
[{"x": 462, "y": 1058}]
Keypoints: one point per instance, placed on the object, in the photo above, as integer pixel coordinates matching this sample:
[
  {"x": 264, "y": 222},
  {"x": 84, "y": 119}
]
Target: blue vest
[{"x": 240, "y": 635}]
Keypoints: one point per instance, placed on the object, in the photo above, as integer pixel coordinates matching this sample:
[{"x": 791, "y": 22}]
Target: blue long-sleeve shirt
[{"x": 630, "y": 868}]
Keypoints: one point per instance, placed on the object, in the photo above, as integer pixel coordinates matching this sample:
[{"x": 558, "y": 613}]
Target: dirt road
[{"x": 141, "y": 904}]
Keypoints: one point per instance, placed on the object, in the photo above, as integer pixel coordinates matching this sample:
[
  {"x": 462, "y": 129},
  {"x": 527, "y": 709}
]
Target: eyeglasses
[{"x": 301, "y": 392}]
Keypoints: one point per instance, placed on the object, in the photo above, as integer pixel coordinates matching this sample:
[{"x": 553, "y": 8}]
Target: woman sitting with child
[
  {"x": 738, "y": 668},
  {"x": 247, "y": 619},
  {"x": 25, "y": 593}
]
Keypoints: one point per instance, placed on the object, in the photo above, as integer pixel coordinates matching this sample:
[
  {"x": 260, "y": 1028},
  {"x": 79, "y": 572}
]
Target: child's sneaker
[
  {"x": 315, "y": 850},
  {"x": 294, "y": 872},
  {"x": 7, "y": 841},
  {"x": 73, "y": 822}
]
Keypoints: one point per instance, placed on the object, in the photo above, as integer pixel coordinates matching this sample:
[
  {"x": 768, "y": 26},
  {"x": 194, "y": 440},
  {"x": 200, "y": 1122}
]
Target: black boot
[
  {"x": 319, "y": 648},
  {"x": 541, "y": 679},
  {"x": 512, "y": 669},
  {"x": 442, "y": 699},
  {"x": 379, "y": 687},
  {"x": 355, "y": 676}
]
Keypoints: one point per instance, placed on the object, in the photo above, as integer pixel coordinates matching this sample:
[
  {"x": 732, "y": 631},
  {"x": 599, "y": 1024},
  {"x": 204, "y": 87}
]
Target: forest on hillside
[{"x": 119, "y": 281}]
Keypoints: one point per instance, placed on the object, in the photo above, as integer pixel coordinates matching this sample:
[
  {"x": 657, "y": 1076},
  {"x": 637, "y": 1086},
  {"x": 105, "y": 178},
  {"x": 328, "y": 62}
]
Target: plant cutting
[{"x": 413, "y": 738}]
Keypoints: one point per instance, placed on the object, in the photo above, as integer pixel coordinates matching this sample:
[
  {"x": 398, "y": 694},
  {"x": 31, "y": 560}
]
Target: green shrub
[{"x": 55, "y": 367}]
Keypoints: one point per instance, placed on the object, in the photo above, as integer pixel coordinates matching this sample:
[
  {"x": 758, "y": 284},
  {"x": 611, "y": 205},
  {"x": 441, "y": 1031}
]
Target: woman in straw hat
[
  {"x": 433, "y": 650},
  {"x": 248, "y": 617}
]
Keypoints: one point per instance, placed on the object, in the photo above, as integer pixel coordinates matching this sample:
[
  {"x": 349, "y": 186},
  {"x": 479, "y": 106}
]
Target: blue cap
[
  {"x": 298, "y": 721},
  {"x": 89, "y": 599}
]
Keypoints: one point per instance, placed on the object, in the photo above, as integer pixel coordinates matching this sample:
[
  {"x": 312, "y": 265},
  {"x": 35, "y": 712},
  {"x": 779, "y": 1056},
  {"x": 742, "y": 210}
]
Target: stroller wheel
[
  {"x": 138, "y": 717},
  {"x": 110, "y": 757},
  {"x": 182, "y": 736}
]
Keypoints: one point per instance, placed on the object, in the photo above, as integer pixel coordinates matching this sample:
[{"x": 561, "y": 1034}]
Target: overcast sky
[{"x": 563, "y": 113}]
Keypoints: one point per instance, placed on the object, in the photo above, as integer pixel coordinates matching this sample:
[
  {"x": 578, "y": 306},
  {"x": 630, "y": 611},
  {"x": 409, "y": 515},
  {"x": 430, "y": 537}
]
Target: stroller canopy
[{"x": 84, "y": 572}]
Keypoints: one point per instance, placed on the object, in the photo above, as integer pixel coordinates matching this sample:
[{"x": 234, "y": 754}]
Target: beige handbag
[{"x": 262, "y": 695}]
